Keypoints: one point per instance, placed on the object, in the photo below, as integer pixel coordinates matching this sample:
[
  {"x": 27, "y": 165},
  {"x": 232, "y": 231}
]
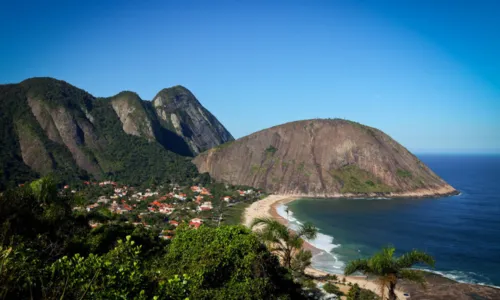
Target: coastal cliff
[{"x": 323, "y": 158}]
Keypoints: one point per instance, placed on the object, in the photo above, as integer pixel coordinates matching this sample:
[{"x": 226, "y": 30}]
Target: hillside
[
  {"x": 328, "y": 158},
  {"x": 50, "y": 126}
]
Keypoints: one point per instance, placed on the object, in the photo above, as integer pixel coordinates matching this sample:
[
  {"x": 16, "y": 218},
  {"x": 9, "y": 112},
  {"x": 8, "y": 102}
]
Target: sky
[{"x": 425, "y": 72}]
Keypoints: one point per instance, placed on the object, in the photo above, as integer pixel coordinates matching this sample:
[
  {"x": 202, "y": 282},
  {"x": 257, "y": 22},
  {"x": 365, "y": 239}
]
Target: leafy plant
[
  {"x": 390, "y": 269},
  {"x": 332, "y": 289},
  {"x": 284, "y": 242}
]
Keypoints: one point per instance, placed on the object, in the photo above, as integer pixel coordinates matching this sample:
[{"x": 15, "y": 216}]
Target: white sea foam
[
  {"x": 325, "y": 260},
  {"x": 329, "y": 262},
  {"x": 465, "y": 277}
]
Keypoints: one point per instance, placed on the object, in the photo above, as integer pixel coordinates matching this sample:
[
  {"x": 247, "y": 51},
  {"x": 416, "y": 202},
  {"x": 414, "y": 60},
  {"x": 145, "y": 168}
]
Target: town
[{"x": 162, "y": 208}]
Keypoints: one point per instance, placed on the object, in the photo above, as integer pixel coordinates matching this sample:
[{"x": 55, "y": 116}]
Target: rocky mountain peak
[{"x": 181, "y": 112}]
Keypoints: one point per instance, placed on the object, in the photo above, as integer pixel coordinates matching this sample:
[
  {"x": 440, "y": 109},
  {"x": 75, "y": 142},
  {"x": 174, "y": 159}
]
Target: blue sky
[{"x": 425, "y": 72}]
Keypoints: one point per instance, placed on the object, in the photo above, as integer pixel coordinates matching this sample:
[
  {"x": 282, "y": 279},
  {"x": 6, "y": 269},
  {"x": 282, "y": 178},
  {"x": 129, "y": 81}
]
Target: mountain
[
  {"x": 181, "y": 112},
  {"x": 329, "y": 158},
  {"x": 49, "y": 126}
]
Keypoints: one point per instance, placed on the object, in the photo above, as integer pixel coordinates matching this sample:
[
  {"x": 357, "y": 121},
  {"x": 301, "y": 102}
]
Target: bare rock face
[
  {"x": 33, "y": 151},
  {"x": 180, "y": 111},
  {"x": 63, "y": 127},
  {"x": 128, "y": 107},
  {"x": 324, "y": 158}
]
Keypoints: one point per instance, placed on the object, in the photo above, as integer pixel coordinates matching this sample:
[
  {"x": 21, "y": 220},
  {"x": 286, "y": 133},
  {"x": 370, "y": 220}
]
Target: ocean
[{"x": 461, "y": 232}]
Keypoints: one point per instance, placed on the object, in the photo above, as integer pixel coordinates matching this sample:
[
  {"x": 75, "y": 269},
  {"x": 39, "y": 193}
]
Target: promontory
[{"x": 323, "y": 158}]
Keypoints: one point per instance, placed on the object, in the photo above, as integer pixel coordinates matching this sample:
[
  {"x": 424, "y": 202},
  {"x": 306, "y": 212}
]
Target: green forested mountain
[{"x": 49, "y": 126}]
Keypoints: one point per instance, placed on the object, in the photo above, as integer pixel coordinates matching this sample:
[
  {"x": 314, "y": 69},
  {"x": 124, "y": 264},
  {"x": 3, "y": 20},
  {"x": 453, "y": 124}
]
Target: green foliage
[
  {"x": 357, "y": 293},
  {"x": 356, "y": 180},
  {"x": 234, "y": 214},
  {"x": 227, "y": 262},
  {"x": 271, "y": 150},
  {"x": 332, "y": 289},
  {"x": 46, "y": 252},
  {"x": 117, "y": 155},
  {"x": 389, "y": 268},
  {"x": 404, "y": 173},
  {"x": 286, "y": 243},
  {"x": 354, "y": 292}
]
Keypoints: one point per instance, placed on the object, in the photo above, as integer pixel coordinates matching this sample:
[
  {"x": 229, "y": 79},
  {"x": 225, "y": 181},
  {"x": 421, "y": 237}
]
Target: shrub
[{"x": 332, "y": 289}]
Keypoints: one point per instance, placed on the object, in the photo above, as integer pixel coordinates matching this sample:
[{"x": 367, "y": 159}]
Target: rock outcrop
[
  {"x": 129, "y": 108},
  {"x": 50, "y": 126},
  {"x": 180, "y": 111},
  {"x": 322, "y": 158}
]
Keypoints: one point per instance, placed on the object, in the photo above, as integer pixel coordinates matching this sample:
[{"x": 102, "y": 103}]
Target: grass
[
  {"x": 356, "y": 180},
  {"x": 403, "y": 173},
  {"x": 234, "y": 214}
]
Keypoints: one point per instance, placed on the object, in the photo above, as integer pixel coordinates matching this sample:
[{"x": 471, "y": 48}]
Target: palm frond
[
  {"x": 308, "y": 231},
  {"x": 358, "y": 265},
  {"x": 414, "y": 257}
]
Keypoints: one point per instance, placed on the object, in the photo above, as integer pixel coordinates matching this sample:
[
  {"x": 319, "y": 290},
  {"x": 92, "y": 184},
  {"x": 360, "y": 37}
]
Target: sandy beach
[{"x": 266, "y": 208}]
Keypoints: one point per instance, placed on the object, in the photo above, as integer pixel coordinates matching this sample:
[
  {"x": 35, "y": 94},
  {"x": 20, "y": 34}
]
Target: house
[
  {"x": 198, "y": 199},
  {"x": 174, "y": 223},
  {"x": 94, "y": 224},
  {"x": 204, "y": 191},
  {"x": 180, "y": 196},
  {"x": 196, "y": 189},
  {"x": 66, "y": 187},
  {"x": 205, "y": 206},
  {"x": 196, "y": 222},
  {"x": 102, "y": 199},
  {"x": 227, "y": 199},
  {"x": 92, "y": 206}
]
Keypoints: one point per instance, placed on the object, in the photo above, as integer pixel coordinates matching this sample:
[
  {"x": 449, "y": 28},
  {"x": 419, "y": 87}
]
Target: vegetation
[
  {"x": 285, "y": 243},
  {"x": 233, "y": 214},
  {"x": 403, "y": 173},
  {"x": 357, "y": 293},
  {"x": 116, "y": 155},
  {"x": 271, "y": 150},
  {"x": 49, "y": 252},
  {"x": 355, "y": 180},
  {"x": 390, "y": 269},
  {"x": 332, "y": 289}
]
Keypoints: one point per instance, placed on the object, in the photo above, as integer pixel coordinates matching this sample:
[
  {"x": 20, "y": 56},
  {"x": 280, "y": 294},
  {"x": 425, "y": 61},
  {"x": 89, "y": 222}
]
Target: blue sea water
[{"x": 462, "y": 232}]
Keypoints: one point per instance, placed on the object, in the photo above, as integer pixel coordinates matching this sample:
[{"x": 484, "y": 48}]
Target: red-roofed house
[{"x": 196, "y": 222}]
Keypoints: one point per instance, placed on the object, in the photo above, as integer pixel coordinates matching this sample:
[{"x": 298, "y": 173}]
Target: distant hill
[
  {"x": 49, "y": 126},
  {"x": 329, "y": 158}
]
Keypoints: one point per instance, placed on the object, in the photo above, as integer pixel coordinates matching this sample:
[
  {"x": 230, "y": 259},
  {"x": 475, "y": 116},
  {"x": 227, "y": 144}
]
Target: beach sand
[{"x": 266, "y": 208}]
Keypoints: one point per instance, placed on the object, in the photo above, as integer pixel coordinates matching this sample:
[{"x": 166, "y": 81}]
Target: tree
[
  {"x": 227, "y": 262},
  {"x": 281, "y": 240},
  {"x": 331, "y": 288},
  {"x": 389, "y": 269},
  {"x": 354, "y": 292}
]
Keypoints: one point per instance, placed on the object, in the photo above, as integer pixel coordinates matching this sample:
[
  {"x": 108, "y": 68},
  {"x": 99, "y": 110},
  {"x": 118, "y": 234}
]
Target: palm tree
[
  {"x": 281, "y": 240},
  {"x": 389, "y": 269}
]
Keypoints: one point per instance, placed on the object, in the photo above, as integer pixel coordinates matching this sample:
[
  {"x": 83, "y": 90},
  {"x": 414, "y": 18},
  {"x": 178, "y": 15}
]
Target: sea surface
[{"x": 462, "y": 232}]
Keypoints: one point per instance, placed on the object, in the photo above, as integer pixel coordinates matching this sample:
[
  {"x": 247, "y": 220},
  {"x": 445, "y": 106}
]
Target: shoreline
[
  {"x": 445, "y": 191},
  {"x": 437, "y": 283},
  {"x": 266, "y": 208}
]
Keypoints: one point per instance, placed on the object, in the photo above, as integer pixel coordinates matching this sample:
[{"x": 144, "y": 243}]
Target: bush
[{"x": 331, "y": 288}]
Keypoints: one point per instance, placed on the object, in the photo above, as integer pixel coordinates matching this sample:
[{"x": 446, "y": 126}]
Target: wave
[
  {"x": 325, "y": 260},
  {"x": 463, "y": 277}
]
